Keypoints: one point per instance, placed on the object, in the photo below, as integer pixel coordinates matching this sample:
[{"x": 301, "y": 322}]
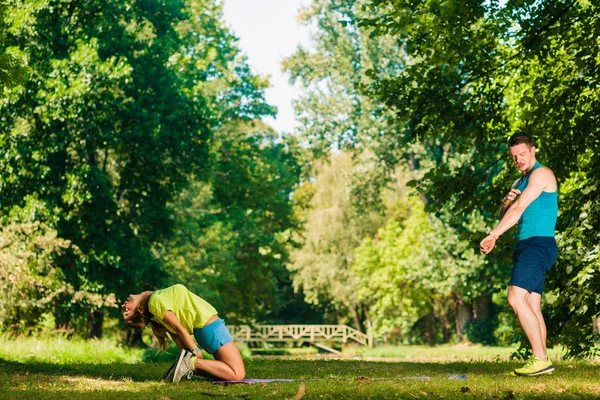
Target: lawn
[{"x": 106, "y": 371}]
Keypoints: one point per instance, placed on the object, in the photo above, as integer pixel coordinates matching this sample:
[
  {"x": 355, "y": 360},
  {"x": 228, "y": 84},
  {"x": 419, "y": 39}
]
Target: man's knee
[{"x": 517, "y": 298}]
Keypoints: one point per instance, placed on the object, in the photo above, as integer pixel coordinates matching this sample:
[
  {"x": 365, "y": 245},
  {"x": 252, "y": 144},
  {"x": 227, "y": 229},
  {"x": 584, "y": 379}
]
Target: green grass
[
  {"x": 60, "y": 369},
  {"x": 460, "y": 352}
]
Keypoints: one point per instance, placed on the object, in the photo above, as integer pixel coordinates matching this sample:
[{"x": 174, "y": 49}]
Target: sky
[{"x": 268, "y": 31}]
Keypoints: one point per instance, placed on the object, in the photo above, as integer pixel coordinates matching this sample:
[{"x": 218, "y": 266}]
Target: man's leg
[
  {"x": 535, "y": 303},
  {"x": 518, "y": 300}
]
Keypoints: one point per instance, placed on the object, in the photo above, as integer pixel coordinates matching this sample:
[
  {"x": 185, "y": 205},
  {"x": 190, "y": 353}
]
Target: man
[{"x": 533, "y": 203}]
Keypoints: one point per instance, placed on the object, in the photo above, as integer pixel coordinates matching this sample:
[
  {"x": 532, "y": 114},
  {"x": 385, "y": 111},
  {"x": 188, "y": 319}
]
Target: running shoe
[
  {"x": 535, "y": 366},
  {"x": 168, "y": 377},
  {"x": 184, "y": 369}
]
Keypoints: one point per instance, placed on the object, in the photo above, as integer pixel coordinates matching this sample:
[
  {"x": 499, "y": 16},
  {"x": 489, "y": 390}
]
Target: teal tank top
[{"x": 539, "y": 218}]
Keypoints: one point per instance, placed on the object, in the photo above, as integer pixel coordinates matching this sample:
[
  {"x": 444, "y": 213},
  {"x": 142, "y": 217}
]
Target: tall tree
[
  {"x": 114, "y": 117},
  {"x": 336, "y": 113},
  {"x": 333, "y": 228},
  {"x": 234, "y": 226},
  {"x": 480, "y": 70}
]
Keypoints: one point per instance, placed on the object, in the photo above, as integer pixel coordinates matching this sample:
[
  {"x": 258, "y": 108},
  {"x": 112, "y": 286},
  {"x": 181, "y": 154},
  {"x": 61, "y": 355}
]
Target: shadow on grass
[
  {"x": 261, "y": 368},
  {"x": 352, "y": 379},
  {"x": 115, "y": 371}
]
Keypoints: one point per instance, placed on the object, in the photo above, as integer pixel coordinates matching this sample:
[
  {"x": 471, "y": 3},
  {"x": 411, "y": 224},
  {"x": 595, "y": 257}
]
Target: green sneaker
[{"x": 535, "y": 366}]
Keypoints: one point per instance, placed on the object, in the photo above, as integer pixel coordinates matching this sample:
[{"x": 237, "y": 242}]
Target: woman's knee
[{"x": 239, "y": 374}]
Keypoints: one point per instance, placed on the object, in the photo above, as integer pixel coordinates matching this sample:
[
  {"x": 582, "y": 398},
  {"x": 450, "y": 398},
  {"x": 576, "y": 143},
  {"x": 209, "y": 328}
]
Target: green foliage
[
  {"x": 117, "y": 113},
  {"x": 32, "y": 284},
  {"x": 333, "y": 228},
  {"x": 416, "y": 266},
  {"x": 479, "y": 70},
  {"x": 234, "y": 225},
  {"x": 338, "y": 112},
  {"x": 12, "y": 71}
]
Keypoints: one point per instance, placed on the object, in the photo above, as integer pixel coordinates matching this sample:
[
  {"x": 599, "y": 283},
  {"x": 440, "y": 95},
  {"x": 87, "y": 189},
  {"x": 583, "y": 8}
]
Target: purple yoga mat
[{"x": 253, "y": 381}]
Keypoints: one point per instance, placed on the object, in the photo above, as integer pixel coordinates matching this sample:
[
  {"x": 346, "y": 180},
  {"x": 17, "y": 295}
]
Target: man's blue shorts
[
  {"x": 213, "y": 336},
  {"x": 533, "y": 257}
]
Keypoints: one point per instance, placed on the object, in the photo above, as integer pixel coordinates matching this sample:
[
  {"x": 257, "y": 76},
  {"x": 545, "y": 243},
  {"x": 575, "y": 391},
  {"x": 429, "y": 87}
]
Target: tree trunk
[
  {"x": 429, "y": 329},
  {"x": 95, "y": 319},
  {"x": 442, "y": 315},
  {"x": 463, "y": 316},
  {"x": 357, "y": 319},
  {"x": 134, "y": 338},
  {"x": 482, "y": 307}
]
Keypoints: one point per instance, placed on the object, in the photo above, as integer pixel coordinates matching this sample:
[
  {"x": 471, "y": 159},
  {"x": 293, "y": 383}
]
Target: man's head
[{"x": 522, "y": 150}]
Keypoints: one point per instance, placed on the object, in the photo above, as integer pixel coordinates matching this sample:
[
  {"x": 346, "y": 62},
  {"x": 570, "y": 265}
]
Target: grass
[
  {"x": 62, "y": 369},
  {"x": 460, "y": 352}
]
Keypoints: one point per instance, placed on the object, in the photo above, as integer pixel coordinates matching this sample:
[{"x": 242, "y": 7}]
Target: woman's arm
[
  {"x": 177, "y": 340},
  {"x": 184, "y": 339}
]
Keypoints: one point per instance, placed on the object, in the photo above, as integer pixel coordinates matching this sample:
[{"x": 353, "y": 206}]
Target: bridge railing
[{"x": 308, "y": 333}]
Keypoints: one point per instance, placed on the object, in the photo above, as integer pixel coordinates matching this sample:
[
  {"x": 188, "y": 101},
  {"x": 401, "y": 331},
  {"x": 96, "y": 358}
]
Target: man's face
[{"x": 523, "y": 156}]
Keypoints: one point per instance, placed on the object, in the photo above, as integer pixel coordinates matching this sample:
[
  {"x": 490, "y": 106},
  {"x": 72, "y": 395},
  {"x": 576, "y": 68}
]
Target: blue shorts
[
  {"x": 213, "y": 336},
  {"x": 533, "y": 257}
]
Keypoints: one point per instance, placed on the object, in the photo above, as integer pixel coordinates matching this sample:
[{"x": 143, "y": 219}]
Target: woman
[{"x": 182, "y": 314}]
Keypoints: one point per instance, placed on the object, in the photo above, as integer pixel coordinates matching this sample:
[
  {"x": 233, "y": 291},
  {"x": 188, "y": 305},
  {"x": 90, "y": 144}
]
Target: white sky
[{"x": 268, "y": 32}]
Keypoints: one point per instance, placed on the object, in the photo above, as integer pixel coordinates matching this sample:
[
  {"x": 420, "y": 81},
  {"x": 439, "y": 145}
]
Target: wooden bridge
[{"x": 313, "y": 334}]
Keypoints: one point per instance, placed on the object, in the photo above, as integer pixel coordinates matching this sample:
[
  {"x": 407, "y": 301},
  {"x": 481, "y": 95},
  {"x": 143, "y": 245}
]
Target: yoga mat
[{"x": 254, "y": 381}]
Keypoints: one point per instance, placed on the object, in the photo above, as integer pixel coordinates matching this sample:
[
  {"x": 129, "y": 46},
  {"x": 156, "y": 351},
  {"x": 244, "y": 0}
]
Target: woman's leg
[{"x": 227, "y": 365}]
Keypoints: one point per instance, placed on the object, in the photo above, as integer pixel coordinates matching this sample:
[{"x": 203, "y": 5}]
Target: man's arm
[
  {"x": 537, "y": 182},
  {"x": 509, "y": 198}
]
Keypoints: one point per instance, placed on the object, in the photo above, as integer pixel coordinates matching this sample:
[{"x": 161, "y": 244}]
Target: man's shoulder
[
  {"x": 542, "y": 172},
  {"x": 543, "y": 177}
]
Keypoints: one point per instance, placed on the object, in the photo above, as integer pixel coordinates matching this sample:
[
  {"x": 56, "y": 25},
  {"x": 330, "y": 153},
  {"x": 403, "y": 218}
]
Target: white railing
[{"x": 299, "y": 333}]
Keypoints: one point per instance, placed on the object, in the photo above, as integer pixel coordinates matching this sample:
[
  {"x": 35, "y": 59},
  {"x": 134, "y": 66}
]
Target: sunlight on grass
[
  {"x": 58, "y": 368},
  {"x": 460, "y": 352},
  {"x": 59, "y": 350}
]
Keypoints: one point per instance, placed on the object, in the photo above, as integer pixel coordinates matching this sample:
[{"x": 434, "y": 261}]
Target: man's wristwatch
[{"x": 195, "y": 352}]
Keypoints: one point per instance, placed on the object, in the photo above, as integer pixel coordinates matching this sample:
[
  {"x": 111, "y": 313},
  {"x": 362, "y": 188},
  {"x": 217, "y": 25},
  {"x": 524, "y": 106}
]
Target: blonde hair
[
  {"x": 141, "y": 318},
  {"x": 160, "y": 332}
]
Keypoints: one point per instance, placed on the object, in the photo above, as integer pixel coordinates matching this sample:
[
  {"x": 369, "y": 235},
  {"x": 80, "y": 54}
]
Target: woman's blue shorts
[
  {"x": 213, "y": 336},
  {"x": 533, "y": 257}
]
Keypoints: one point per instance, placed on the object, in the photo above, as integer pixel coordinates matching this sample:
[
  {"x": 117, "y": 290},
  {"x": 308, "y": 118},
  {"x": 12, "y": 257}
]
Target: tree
[
  {"x": 336, "y": 113},
  {"x": 235, "y": 224},
  {"x": 116, "y": 114},
  {"x": 332, "y": 228},
  {"x": 11, "y": 70},
  {"x": 480, "y": 70},
  {"x": 418, "y": 269}
]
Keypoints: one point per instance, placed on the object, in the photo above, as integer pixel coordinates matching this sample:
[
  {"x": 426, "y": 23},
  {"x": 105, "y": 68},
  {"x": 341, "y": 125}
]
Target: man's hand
[
  {"x": 487, "y": 244},
  {"x": 510, "y": 197}
]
